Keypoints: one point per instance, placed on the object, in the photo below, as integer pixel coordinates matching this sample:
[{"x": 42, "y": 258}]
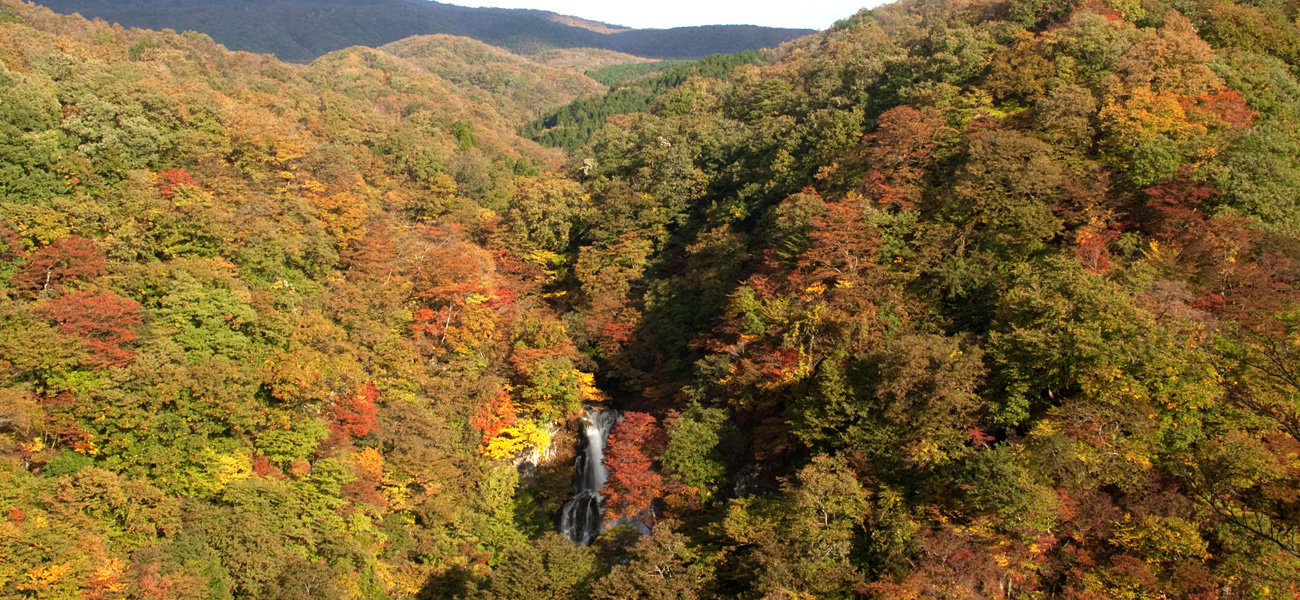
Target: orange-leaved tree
[
  {"x": 105, "y": 322},
  {"x": 353, "y": 416},
  {"x": 66, "y": 259},
  {"x": 630, "y": 452}
]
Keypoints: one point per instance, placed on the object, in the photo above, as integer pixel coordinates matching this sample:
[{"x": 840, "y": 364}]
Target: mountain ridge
[{"x": 299, "y": 31}]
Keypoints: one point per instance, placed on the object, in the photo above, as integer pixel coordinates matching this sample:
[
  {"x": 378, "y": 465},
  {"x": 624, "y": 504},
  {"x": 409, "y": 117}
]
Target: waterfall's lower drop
[{"x": 581, "y": 519}]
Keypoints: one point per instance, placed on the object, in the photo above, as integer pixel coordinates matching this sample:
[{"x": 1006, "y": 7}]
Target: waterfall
[{"x": 581, "y": 519}]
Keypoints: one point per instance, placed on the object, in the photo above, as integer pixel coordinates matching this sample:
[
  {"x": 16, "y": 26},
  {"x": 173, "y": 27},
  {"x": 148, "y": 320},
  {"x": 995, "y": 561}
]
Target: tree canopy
[{"x": 991, "y": 299}]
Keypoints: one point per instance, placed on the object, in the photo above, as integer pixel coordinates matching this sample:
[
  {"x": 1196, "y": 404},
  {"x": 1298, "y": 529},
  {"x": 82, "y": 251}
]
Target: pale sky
[{"x": 810, "y": 14}]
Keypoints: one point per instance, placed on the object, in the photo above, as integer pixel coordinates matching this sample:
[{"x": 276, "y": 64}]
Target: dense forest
[
  {"x": 957, "y": 299},
  {"x": 633, "y": 88}
]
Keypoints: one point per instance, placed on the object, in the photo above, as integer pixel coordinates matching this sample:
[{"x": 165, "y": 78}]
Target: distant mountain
[{"x": 301, "y": 30}]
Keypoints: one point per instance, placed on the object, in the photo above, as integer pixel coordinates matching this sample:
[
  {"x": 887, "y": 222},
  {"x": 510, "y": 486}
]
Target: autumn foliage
[
  {"x": 171, "y": 179},
  {"x": 988, "y": 300},
  {"x": 494, "y": 416},
  {"x": 630, "y": 453},
  {"x": 353, "y": 416},
  {"x": 898, "y": 154},
  {"x": 68, "y": 259},
  {"x": 105, "y": 322}
]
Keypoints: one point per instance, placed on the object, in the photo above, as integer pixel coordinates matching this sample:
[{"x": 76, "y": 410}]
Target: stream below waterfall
[{"x": 582, "y": 518}]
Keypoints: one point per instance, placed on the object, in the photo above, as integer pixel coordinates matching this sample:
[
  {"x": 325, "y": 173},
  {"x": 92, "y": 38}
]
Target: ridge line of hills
[{"x": 301, "y": 30}]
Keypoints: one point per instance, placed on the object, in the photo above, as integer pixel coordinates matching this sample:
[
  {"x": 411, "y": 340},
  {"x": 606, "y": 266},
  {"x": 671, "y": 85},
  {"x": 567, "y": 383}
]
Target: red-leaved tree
[
  {"x": 898, "y": 154},
  {"x": 1091, "y": 249},
  {"x": 633, "y": 483},
  {"x": 11, "y": 246},
  {"x": 353, "y": 416},
  {"x": 106, "y": 323},
  {"x": 65, "y": 260},
  {"x": 497, "y": 414},
  {"x": 171, "y": 179}
]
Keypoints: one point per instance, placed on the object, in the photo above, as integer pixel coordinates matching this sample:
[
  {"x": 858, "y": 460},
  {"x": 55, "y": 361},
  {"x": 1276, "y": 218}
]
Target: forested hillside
[
  {"x": 301, "y": 30},
  {"x": 251, "y": 316},
  {"x": 585, "y": 58},
  {"x": 633, "y": 88},
  {"x": 515, "y": 87},
  {"x": 961, "y": 300},
  {"x": 958, "y": 299}
]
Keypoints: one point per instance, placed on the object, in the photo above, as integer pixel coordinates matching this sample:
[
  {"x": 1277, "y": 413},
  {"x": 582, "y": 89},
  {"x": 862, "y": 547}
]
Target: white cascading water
[{"x": 581, "y": 519}]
